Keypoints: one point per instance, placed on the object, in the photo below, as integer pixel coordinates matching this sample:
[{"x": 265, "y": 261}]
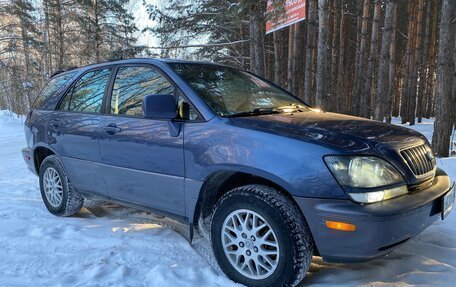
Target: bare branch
[{"x": 201, "y": 45}]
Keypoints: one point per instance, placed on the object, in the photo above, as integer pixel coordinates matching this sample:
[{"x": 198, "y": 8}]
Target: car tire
[
  {"x": 260, "y": 238},
  {"x": 58, "y": 194}
]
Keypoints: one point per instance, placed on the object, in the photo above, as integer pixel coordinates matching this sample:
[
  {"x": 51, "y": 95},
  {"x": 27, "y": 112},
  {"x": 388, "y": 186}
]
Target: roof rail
[
  {"x": 115, "y": 59},
  {"x": 56, "y": 73}
]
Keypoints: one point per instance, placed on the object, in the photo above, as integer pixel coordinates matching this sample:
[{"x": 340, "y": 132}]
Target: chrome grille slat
[
  {"x": 424, "y": 160},
  {"x": 416, "y": 164},
  {"x": 431, "y": 163},
  {"x": 427, "y": 163},
  {"x": 417, "y": 159},
  {"x": 413, "y": 162},
  {"x": 409, "y": 160}
]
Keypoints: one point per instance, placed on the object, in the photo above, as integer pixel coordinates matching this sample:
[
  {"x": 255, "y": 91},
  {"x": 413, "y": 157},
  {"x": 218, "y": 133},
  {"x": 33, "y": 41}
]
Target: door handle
[
  {"x": 55, "y": 123},
  {"x": 112, "y": 129}
]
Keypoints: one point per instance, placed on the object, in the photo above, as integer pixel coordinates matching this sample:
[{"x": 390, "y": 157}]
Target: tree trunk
[
  {"x": 244, "y": 48},
  {"x": 334, "y": 100},
  {"x": 399, "y": 80},
  {"x": 445, "y": 70},
  {"x": 310, "y": 42},
  {"x": 416, "y": 64},
  {"x": 97, "y": 32},
  {"x": 453, "y": 100},
  {"x": 383, "y": 70},
  {"x": 432, "y": 62},
  {"x": 256, "y": 40},
  {"x": 392, "y": 66},
  {"x": 423, "y": 71},
  {"x": 361, "y": 68},
  {"x": 290, "y": 58},
  {"x": 268, "y": 61},
  {"x": 295, "y": 59},
  {"x": 340, "y": 69},
  {"x": 277, "y": 57},
  {"x": 408, "y": 67},
  {"x": 47, "y": 38},
  {"x": 322, "y": 57},
  {"x": 60, "y": 38},
  {"x": 27, "y": 81},
  {"x": 365, "y": 98}
]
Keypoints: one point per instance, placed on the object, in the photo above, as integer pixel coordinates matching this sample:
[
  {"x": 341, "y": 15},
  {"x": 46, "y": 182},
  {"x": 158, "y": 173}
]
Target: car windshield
[{"x": 232, "y": 92}]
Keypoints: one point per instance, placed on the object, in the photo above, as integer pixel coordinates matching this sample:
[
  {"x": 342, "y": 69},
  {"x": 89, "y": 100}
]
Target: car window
[
  {"x": 228, "y": 91},
  {"x": 132, "y": 84},
  {"x": 87, "y": 94},
  {"x": 51, "y": 88}
]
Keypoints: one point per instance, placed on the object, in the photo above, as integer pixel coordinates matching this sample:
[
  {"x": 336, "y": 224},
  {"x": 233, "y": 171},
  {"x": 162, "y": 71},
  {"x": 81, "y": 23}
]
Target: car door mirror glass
[{"x": 159, "y": 107}]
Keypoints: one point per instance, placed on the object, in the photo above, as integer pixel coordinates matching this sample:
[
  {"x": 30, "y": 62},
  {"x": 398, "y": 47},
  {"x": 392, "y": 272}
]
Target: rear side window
[
  {"x": 51, "y": 88},
  {"x": 132, "y": 84},
  {"x": 87, "y": 93}
]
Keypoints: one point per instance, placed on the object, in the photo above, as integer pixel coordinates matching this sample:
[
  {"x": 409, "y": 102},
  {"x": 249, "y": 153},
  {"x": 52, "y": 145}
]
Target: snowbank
[{"x": 8, "y": 118}]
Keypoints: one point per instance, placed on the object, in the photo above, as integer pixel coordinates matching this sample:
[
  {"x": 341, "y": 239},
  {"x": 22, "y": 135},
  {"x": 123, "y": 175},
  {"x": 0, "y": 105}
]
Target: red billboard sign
[{"x": 295, "y": 11}]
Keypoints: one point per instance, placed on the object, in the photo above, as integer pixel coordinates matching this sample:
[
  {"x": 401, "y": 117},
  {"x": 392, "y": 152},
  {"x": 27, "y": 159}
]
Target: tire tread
[
  {"x": 74, "y": 200},
  {"x": 300, "y": 231}
]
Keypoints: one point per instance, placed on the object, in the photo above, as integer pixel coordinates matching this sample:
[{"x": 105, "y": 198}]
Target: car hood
[{"x": 333, "y": 130}]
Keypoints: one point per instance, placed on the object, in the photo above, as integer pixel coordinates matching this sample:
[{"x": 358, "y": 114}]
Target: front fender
[{"x": 295, "y": 165}]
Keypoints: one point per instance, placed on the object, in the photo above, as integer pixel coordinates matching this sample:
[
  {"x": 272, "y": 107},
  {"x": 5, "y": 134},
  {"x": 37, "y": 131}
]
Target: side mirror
[{"x": 159, "y": 107}]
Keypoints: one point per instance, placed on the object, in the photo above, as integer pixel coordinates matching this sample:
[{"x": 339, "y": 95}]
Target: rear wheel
[
  {"x": 259, "y": 238},
  {"x": 58, "y": 195}
]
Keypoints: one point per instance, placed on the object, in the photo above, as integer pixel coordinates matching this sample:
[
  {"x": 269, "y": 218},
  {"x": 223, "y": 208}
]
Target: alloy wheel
[
  {"x": 250, "y": 244},
  {"x": 53, "y": 188}
]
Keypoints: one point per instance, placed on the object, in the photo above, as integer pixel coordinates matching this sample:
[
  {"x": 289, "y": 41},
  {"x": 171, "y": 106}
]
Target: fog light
[{"x": 340, "y": 226}]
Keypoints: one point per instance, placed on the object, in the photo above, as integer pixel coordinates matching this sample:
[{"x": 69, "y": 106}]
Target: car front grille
[{"x": 420, "y": 159}]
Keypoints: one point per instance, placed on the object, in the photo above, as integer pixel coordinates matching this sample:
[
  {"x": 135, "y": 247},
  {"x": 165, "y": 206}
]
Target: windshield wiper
[{"x": 255, "y": 112}]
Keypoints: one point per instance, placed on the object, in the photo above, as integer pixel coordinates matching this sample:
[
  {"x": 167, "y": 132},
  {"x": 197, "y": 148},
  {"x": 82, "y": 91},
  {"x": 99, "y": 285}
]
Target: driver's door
[{"x": 143, "y": 163}]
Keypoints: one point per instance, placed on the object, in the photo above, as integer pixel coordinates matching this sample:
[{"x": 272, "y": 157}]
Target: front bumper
[{"x": 380, "y": 227}]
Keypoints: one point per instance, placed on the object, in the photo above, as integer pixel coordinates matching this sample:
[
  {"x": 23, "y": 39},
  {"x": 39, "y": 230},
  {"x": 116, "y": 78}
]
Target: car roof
[{"x": 132, "y": 61}]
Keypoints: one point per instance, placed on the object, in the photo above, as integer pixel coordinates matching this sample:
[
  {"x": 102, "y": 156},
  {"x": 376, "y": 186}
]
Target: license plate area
[{"x": 448, "y": 202}]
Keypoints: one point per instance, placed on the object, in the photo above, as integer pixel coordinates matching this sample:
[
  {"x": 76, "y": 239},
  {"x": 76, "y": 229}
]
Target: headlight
[{"x": 367, "y": 172}]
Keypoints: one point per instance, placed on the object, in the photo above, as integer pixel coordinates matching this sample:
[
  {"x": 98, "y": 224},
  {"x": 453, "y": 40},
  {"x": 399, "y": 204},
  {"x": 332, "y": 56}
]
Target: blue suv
[{"x": 270, "y": 180}]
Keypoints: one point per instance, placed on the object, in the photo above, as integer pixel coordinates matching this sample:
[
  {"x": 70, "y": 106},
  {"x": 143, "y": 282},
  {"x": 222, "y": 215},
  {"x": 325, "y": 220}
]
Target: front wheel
[{"x": 259, "y": 237}]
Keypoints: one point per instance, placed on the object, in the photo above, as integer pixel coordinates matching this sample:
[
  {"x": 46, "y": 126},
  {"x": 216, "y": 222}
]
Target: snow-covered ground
[{"x": 117, "y": 246}]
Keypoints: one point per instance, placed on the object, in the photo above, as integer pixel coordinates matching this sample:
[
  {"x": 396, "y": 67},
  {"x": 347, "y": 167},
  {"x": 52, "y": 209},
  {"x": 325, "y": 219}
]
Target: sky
[
  {"x": 139, "y": 11},
  {"x": 142, "y": 21}
]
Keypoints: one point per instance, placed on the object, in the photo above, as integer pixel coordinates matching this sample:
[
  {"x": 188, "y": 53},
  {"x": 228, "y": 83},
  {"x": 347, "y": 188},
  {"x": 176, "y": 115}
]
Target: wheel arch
[
  {"x": 40, "y": 152},
  {"x": 220, "y": 182}
]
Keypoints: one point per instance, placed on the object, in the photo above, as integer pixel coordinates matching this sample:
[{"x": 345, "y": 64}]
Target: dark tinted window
[
  {"x": 51, "y": 88},
  {"x": 87, "y": 94},
  {"x": 132, "y": 84}
]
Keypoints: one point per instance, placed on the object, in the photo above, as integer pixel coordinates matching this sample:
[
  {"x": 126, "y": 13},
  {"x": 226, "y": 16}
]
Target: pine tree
[
  {"x": 361, "y": 60},
  {"x": 383, "y": 70},
  {"x": 443, "y": 124},
  {"x": 322, "y": 60},
  {"x": 23, "y": 10}
]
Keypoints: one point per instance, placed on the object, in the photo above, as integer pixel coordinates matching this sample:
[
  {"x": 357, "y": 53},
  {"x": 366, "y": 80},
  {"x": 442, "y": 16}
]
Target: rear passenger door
[
  {"x": 75, "y": 129},
  {"x": 143, "y": 164}
]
